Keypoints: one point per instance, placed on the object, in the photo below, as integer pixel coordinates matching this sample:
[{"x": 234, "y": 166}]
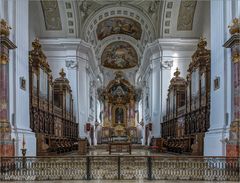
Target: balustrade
[{"x": 120, "y": 168}]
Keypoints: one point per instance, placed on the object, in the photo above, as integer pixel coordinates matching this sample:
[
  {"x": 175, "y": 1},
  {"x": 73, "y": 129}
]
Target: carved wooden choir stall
[
  {"x": 51, "y": 106},
  {"x": 188, "y": 106}
]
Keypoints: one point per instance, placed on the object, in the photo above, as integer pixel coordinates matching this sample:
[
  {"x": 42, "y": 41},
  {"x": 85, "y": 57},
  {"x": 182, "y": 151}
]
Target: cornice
[{"x": 77, "y": 45}]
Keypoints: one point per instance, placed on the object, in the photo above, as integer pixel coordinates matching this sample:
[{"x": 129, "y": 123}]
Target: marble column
[
  {"x": 233, "y": 144},
  {"x": 6, "y": 143}
]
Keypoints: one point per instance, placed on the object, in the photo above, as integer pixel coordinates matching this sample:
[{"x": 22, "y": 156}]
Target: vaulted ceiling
[{"x": 123, "y": 27}]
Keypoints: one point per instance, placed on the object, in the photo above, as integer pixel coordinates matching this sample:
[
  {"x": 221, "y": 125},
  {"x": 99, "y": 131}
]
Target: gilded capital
[
  {"x": 4, "y": 28},
  {"x": 235, "y": 27},
  {"x": 3, "y": 59}
]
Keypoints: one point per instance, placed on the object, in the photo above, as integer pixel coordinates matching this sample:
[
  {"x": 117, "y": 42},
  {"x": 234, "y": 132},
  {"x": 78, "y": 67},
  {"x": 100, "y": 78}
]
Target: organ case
[
  {"x": 188, "y": 106},
  {"x": 51, "y": 106}
]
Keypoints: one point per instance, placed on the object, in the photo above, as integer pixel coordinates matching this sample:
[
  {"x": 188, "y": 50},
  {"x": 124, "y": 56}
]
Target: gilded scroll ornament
[
  {"x": 37, "y": 56},
  {"x": 235, "y": 130},
  {"x": 3, "y": 59},
  {"x": 3, "y": 105},
  {"x": 4, "y": 28},
  {"x": 236, "y": 57},
  {"x": 235, "y": 27}
]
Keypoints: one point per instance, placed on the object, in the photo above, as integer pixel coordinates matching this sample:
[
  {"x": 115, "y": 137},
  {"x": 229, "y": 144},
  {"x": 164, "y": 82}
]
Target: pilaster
[
  {"x": 156, "y": 69},
  {"x": 6, "y": 142},
  {"x": 233, "y": 143}
]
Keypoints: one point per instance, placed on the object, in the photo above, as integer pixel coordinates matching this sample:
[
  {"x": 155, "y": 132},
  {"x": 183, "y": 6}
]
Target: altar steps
[{"x": 105, "y": 146}]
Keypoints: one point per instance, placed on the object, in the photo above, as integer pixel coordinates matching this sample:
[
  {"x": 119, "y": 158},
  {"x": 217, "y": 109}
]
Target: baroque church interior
[{"x": 120, "y": 90}]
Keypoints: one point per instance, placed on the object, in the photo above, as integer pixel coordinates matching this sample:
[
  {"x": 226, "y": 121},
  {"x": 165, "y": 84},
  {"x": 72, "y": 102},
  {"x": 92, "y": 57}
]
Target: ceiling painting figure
[
  {"x": 119, "y": 25},
  {"x": 119, "y": 55}
]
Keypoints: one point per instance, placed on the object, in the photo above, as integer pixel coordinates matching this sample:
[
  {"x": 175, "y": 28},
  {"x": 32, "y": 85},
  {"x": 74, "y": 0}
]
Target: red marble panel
[
  {"x": 233, "y": 150},
  {"x": 236, "y": 87},
  {"x": 4, "y": 90},
  {"x": 7, "y": 150}
]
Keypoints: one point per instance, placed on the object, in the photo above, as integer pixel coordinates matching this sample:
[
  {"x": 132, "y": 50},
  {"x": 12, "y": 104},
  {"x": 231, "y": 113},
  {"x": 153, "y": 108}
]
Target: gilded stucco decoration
[
  {"x": 119, "y": 55},
  {"x": 186, "y": 15},
  {"x": 119, "y": 25},
  {"x": 51, "y": 15}
]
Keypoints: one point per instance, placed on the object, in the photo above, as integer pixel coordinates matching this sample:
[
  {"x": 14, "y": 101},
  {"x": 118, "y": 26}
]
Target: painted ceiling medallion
[
  {"x": 119, "y": 55},
  {"x": 119, "y": 25}
]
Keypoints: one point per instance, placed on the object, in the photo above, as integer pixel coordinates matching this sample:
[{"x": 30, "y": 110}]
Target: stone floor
[{"x": 101, "y": 150}]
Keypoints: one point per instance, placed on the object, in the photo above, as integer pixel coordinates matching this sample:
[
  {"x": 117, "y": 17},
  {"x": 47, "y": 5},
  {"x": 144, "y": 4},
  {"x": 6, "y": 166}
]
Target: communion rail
[{"x": 120, "y": 168}]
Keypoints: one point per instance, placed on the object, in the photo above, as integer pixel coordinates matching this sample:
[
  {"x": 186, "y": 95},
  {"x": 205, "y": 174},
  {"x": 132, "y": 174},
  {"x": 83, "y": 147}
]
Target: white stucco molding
[
  {"x": 76, "y": 50},
  {"x": 117, "y": 37},
  {"x": 155, "y": 50},
  {"x": 116, "y": 11}
]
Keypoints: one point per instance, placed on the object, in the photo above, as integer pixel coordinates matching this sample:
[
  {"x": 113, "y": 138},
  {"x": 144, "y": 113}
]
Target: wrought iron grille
[{"x": 120, "y": 167}]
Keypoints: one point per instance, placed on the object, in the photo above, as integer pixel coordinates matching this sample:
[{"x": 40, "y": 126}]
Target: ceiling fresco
[
  {"x": 119, "y": 55},
  {"x": 119, "y": 25}
]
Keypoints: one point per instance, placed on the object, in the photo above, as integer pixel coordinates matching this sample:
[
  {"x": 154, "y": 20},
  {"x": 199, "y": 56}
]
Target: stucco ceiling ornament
[
  {"x": 186, "y": 15},
  {"x": 51, "y": 15},
  {"x": 84, "y": 9},
  {"x": 235, "y": 27}
]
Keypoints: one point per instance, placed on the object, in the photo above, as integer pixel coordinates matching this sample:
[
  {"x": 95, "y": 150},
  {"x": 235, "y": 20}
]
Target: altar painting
[{"x": 119, "y": 115}]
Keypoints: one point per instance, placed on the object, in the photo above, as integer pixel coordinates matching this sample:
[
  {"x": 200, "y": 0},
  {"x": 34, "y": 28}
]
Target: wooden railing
[{"x": 120, "y": 168}]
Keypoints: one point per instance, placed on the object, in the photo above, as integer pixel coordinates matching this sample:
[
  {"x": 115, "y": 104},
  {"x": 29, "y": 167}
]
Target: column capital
[
  {"x": 71, "y": 64},
  {"x": 4, "y": 28},
  {"x": 234, "y": 44}
]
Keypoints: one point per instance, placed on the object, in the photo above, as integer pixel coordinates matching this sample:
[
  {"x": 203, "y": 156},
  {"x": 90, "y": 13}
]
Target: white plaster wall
[
  {"x": 206, "y": 22},
  {"x": 16, "y": 14},
  {"x": 83, "y": 98},
  {"x": 155, "y": 93},
  {"x": 33, "y": 22}
]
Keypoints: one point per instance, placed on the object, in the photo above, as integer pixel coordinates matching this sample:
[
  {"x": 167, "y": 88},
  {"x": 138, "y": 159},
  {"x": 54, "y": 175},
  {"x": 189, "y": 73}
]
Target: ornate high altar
[{"x": 119, "y": 99}]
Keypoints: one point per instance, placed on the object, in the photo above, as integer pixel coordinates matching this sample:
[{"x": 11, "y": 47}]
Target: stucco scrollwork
[
  {"x": 186, "y": 15},
  {"x": 51, "y": 15}
]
